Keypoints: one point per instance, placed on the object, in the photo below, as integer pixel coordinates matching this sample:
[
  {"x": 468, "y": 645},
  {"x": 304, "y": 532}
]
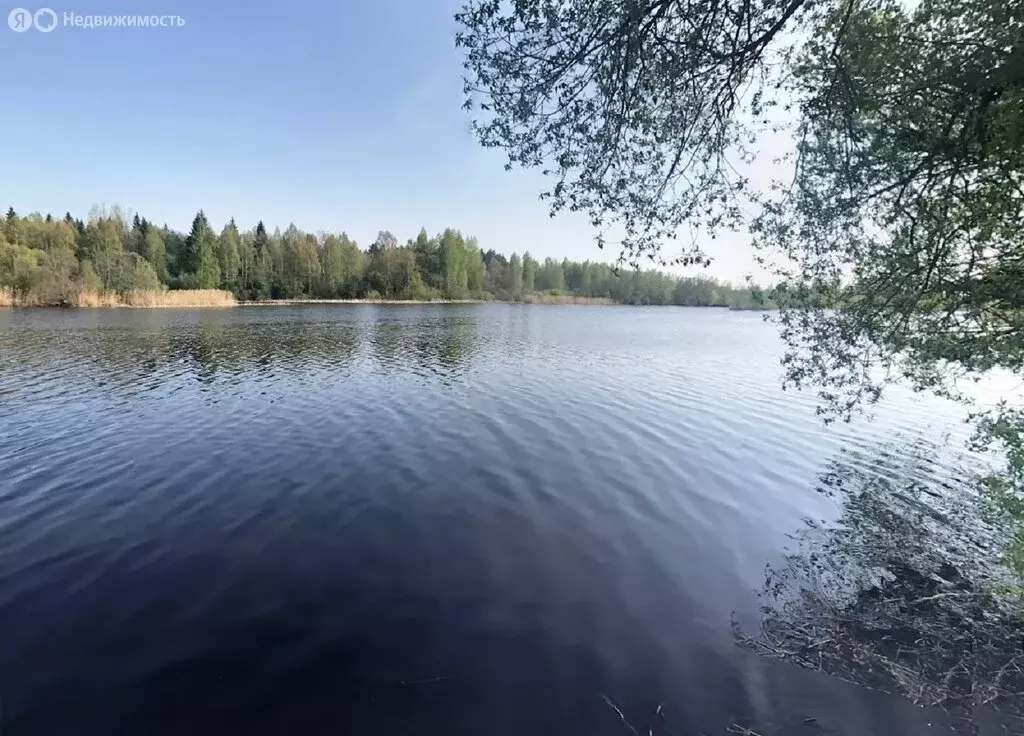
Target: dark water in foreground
[{"x": 477, "y": 519}]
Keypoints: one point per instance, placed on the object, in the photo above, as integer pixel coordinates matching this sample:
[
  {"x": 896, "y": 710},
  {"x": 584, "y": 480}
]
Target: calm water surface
[{"x": 430, "y": 519}]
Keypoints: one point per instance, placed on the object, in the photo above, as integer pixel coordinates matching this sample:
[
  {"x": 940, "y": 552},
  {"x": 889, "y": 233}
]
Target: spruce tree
[
  {"x": 201, "y": 254},
  {"x": 260, "y": 243}
]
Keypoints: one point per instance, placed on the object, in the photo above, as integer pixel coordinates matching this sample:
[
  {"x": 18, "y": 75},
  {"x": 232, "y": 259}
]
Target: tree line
[{"x": 51, "y": 259}]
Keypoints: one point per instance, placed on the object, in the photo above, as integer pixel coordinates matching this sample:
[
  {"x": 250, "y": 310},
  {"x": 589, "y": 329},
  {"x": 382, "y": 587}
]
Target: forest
[{"x": 48, "y": 261}]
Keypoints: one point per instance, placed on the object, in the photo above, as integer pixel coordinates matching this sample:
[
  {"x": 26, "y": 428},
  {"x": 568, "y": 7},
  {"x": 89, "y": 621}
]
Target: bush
[
  {"x": 423, "y": 292},
  {"x": 20, "y": 267}
]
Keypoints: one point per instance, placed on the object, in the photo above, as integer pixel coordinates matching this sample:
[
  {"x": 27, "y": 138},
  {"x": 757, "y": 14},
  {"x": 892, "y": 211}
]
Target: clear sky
[{"x": 334, "y": 115}]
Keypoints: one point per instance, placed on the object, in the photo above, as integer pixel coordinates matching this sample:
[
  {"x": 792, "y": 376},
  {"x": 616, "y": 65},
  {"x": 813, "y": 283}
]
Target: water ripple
[{"x": 261, "y": 516}]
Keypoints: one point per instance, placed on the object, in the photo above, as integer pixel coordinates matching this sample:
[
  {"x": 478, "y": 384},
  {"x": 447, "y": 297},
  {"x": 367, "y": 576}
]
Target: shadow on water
[{"x": 902, "y": 593}]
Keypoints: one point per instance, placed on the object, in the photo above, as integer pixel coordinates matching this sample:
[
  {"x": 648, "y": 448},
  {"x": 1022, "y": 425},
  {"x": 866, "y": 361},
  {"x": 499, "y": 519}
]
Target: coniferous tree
[
  {"x": 259, "y": 283},
  {"x": 201, "y": 255}
]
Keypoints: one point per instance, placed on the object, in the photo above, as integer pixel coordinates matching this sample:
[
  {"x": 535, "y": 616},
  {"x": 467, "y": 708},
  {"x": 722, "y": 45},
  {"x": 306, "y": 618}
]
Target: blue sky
[{"x": 332, "y": 115}]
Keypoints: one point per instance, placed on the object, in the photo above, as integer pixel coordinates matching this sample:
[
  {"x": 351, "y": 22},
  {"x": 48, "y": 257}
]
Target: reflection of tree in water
[
  {"x": 212, "y": 348},
  {"x": 148, "y": 352},
  {"x": 142, "y": 353},
  {"x": 456, "y": 348},
  {"x": 387, "y": 342},
  {"x": 901, "y": 594},
  {"x": 440, "y": 345}
]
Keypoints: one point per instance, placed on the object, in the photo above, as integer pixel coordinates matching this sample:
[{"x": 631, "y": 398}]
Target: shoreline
[
  {"x": 579, "y": 301},
  {"x": 113, "y": 302},
  {"x": 377, "y": 302},
  {"x": 210, "y": 299},
  {"x": 301, "y": 302}
]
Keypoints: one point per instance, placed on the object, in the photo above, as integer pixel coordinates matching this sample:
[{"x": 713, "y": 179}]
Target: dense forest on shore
[{"x": 48, "y": 261}]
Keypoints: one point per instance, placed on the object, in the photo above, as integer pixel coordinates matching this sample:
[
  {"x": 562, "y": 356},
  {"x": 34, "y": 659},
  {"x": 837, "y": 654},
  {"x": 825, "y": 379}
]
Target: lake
[{"x": 392, "y": 519}]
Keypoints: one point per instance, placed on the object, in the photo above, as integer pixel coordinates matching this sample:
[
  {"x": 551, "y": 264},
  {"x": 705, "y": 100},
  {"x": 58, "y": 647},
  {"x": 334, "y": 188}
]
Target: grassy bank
[{"x": 89, "y": 298}]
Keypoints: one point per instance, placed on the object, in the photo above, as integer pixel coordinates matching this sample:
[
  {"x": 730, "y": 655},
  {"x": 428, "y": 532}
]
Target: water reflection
[
  {"x": 438, "y": 345},
  {"x": 148, "y": 351},
  {"x": 898, "y": 594}
]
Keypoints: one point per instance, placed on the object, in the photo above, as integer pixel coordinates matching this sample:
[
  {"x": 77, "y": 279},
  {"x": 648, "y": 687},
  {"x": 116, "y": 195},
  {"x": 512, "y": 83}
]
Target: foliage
[
  {"x": 515, "y": 271},
  {"x": 20, "y": 267},
  {"x": 631, "y": 108},
  {"x": 123, "y": 258},
  {"x": 124, "y": 272},
  {"x": 301, "y": 262},
  {"x": 228, "y": 257},
  {"x": 391, "y": 272},
  {"x": 1002, "y": 429},
  {"x": 529, "y": 272},
  {"x": 104, "y": 235},
  {"x": 342, "y": 267},
  {"x": 90, "y": 279},
  {"x": 199, "y": 260},
  {"x": 154, "y": 251},
  {"x": 909, "y": 197}
]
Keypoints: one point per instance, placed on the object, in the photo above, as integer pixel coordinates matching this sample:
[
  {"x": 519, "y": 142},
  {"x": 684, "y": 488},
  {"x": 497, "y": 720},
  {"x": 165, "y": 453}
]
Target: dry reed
[
  {"x": 90, "y": 298},
  {"x": 151, "y": 299},
  {"x": 180, "y": 298}
]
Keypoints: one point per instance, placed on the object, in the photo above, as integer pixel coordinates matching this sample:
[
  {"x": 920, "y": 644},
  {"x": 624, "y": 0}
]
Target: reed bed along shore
[{"x": 89, "y": 298}]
